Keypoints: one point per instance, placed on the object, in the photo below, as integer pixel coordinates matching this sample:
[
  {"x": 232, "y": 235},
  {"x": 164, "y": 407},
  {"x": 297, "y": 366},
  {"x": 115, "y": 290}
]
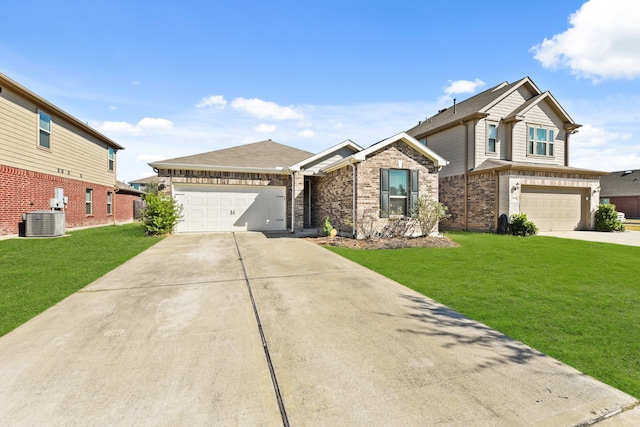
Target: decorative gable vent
[{"x": 44, "y": 224}]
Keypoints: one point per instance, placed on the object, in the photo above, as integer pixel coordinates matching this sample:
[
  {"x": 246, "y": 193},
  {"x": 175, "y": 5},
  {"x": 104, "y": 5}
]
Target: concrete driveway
[
  {"x": 174, "y": 337},
  {"x": 627, "y": 238}
]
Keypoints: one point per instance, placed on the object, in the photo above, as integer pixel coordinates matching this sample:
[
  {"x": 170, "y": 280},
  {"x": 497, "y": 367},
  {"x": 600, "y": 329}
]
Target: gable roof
[
  {"x": 326, "y": 153},
  {"x": 402, "y": 136},
  {"x": 620, "y": 183},
  {"x": 263, "y": 156},
  {"x": 478, "y": 107},
  {"x": 6, "y": 82}
]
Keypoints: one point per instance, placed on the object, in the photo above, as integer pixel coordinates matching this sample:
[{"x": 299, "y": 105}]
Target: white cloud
[
  {"x": 159, "y": 124},
  {"x": 263, "y": 128},
  {"x": 216, "y": 101},
  {"x": 124, "y": 128},
  {"x": 118, "y": 128},
  {"x": 602, "y": 42},
  {"x": 112, "y": 107},
  {"x": 590, "y": 136},
  {"x": 459, "y": 87},
  {"x": 601, "y": 149},
  {"x": 266, "y": 109},
  {"x": 463, "y": 86},
  {"x": 148, "y": 158},
  {"x": 307, "y": 133}
]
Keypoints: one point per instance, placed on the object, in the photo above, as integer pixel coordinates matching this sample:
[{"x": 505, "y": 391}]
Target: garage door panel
[
  {"x": 553, "y": 208},
  {"x": 231, "y": 208}
]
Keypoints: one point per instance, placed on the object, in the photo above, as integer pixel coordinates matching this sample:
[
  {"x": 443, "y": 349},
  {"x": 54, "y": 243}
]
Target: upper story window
[
  {"x": 492, "y": 132},
  {"x": 44, "y": 134},
  {"x": 398, "y": 191},
  {"x": 112, "y": 158},
  {"x": 540, "y": 142}
]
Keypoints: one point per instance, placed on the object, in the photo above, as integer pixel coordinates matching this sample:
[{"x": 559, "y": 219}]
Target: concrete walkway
[
  {"x": 172, "y": 338},
  {"x": 627, "y": 238}
]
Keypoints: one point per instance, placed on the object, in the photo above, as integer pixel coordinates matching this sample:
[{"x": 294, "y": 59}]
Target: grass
[
  {"x": 35, "y": 274},
  {"x": 576, "y": 301}
]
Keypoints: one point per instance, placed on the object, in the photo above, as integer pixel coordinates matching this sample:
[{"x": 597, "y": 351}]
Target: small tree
[
  {"x": 161, "y": 213},
  {"x": 428, "y": 213},
  {"x": 521, "y": 226},
  {"x": 607, "y": 218}
]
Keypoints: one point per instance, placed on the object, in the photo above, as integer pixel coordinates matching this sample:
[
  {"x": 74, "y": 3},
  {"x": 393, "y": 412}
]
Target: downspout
[
  {"x": 466, "y": 176},
  {"x": 497, "y": 207},
  {"x": 353, "y": 214},
  {"x": 293, "y": 189}
]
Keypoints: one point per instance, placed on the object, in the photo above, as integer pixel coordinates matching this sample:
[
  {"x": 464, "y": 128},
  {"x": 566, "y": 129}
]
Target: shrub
[
  {"x": 521, "y": 226},
  {"x": 161, "y": 213},
  {"x": 327, "y": 227},
  {"x": 607, "y": 218},
  {"x": 428, "y": 213}
]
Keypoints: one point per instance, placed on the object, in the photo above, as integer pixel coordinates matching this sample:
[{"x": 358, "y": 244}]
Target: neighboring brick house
[
  {"x": 43, "y": 149},
  {"x": 266, "y": 186},
  {"x": 508, "y": 149},
  {"x": 622, "y": 189}
]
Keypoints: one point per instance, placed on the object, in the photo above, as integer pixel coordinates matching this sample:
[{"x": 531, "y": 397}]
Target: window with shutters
[{"x": 398, "y": 191}]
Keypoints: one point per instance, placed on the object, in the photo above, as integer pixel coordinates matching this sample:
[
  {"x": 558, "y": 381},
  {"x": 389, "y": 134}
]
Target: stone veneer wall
[
  {"x": 177, "y": 176},
  {"x": 335, "y": 189}
]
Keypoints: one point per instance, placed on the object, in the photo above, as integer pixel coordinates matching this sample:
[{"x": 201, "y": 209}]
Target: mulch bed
[{"x": 396, "y": 243}]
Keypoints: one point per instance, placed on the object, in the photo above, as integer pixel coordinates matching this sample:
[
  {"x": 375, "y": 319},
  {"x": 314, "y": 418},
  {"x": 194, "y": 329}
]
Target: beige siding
[
  {"x": 73, "y": 153},
  {"x": 540, "y": 115},
  {"x": 450, "y": 145}
]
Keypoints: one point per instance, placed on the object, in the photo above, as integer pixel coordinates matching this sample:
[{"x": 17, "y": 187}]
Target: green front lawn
[
  {"x": 35, "y": 274},
  {"x": 577, "y": 301}
]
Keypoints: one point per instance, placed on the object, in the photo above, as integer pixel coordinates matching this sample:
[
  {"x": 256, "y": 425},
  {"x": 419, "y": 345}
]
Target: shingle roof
[
  {"x": 475, "y": 105},
  {"x": 258, "y": 155},
  {"x": 621, "y": 183},
  {"x": 492, "y": 164}
]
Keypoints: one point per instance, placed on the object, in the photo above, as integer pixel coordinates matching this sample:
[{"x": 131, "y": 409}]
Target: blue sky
[{"x": 168, "y": 79}]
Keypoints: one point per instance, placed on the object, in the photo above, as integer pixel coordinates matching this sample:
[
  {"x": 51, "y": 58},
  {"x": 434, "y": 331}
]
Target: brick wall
[
  {"x": 481, "y": 202},
  {"x": 335, "y": 191},
  {"x": 629, "y": 205},
  {"x": 176, "y": 176},
  {"x": 452, "y": 196},
  {"x": 124, "y": 207},
  {"x": 26, "y": 191}
]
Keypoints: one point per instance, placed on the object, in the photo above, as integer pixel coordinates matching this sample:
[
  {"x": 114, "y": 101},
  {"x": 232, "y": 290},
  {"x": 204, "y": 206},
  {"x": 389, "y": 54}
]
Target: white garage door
[
  {"x": 553, "y": 209},
  {"x": 231, "y": 208}
]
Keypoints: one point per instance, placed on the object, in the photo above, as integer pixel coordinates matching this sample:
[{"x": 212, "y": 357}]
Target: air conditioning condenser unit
[{"x": 44, "y": 224}]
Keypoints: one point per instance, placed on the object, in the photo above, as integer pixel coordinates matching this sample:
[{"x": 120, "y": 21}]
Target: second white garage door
[
  {"x": 553, "y": 209},
  {"x": 231, "y": 208}
]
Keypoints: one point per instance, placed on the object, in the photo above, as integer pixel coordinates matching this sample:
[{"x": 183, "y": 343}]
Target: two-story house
[
  {"x": 508, "y": 149},
  {"x": 47, "y": 153}
]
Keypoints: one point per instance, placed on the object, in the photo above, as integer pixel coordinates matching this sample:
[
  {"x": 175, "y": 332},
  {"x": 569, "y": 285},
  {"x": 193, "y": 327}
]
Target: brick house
[
  {"x": 45, "y": 149},
  {"x": 508, "y": 149},
  {"x": 268, "y": 186},
  {"x": 622, "y": 188}
]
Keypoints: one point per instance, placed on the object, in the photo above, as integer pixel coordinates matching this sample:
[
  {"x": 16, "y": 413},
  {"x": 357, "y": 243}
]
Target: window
[
  {"x": 540, "y": 141},
  {"x": 398, "y": 191},
  {"x": 112, "y": 158},
  {"x": 89, "y": 201},
  {"x": 44, "y": 126},
  {"x": 109, "y": 202},
  {"x": 491, "y": 138}
]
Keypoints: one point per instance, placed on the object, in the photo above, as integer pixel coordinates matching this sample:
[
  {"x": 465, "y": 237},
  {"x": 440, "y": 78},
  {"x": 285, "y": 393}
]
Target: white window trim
[
  {"x": 47, "y": 131},
  {"x": 109, "y": 203},
  {"x": 535, "y": 126},
  {"x": 111, "y": 159},
  {"x": 89, "y": 203},
  {"x": 486, "y": 144}
]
